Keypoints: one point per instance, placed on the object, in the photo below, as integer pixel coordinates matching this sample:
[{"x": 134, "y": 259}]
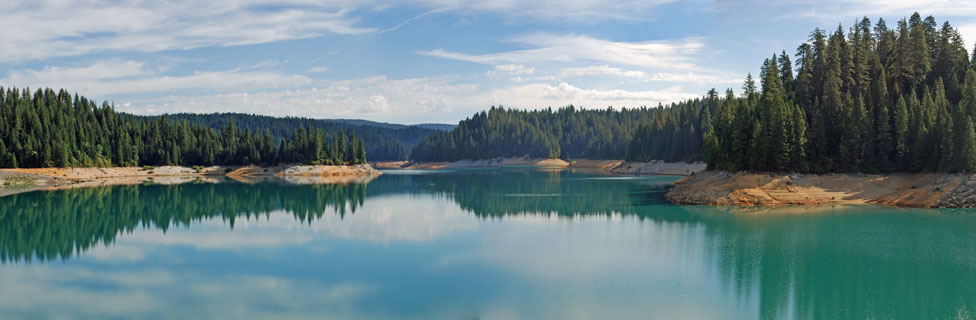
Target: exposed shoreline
[
  {"x": 29, "y": 179},
  {"x": 613, "y": 166},
  {"x": 919, "y": 190}
]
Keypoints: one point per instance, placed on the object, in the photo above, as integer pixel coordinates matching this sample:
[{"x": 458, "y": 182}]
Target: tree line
[
  {"x": 48, "y": 128},
  {"x": 567, "y": 133},
  {"x": 871, "y": 99},
  {"x": 863, "y": 99},
  {"x": 384, "y": 142}
]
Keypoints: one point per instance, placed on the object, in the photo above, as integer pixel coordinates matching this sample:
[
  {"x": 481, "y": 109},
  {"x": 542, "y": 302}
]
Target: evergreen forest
[
  {"x": 869, "y": 98},
  {"x": 863, "y": 99},
  {"x": 383, "y": 141},
  {"x": 48, "y": 128},
  {"x": 569, "y": 133}
]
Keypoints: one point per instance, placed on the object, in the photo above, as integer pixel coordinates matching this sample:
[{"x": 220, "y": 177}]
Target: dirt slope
[
  {"x": 763, "y": 189},
  {"x": 614, "y": 166}
]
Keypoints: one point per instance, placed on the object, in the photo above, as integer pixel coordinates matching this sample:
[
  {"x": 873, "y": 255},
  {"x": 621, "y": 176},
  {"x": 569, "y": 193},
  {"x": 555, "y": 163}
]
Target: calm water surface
[{"x": 472, "y": 244}]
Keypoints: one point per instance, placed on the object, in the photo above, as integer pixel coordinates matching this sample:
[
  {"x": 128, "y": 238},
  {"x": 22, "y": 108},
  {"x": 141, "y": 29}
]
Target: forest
[
  {"x": 566, "y": 133},
  {"x": 865, "y": 99},
  {"x": 868, "y": 98},
  {"x": 383, "y": 141},
  {"x": 48, "y": 128}
]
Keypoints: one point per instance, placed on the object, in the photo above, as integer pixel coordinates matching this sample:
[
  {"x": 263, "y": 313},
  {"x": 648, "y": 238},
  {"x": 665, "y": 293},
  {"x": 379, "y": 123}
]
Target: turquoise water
[{"x": 471, "y": 244}]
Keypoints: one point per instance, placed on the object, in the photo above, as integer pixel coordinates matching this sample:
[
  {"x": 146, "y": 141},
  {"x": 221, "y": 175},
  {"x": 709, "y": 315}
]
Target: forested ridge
[
  {"x": 48, "y": 128},
  {"x": 383, "y": 141},
  {"x": 567, "y": 133}
]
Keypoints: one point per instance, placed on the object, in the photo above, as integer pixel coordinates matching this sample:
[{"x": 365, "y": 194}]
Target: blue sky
[{"x": 411, "y": 61}]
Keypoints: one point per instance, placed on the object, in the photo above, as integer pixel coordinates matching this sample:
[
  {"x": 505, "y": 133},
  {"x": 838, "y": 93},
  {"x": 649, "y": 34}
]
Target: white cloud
[
  {"x": 968, "y": 33},
  {"x": 377, "y": 98},
  {"x": 540, "y": 95},
  {"x": 685, "y": 77},
  {"x": 137, "y": 88},
  {"x": 907, "y": 7},
  {"x": 405, "y": 100},
  {"x": 514, "y": 69},
  {"x": 36, "y": 30},
  {"x": 130, "y": 77},
  {"x": 690, "y": 77},
  {"x": 603, "y": 70},
  {"x": 551, "y": 48},
  {"x": 585, "y": 11},
  {"x": 318, "y": 69},
  {"x": 43, "y": 29},
  {"x": 835, "y": 11}
]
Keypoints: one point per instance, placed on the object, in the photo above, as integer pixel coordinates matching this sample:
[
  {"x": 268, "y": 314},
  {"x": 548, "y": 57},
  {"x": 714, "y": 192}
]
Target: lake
[{"x": 502, "y": 243}]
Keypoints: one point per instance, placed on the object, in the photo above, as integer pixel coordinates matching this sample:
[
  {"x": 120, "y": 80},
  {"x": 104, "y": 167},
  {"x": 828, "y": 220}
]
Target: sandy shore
[
  {"x": 23, "y": 180},
  {"x": 613, "y": 166},
  {"x": 923, "y": 190}
]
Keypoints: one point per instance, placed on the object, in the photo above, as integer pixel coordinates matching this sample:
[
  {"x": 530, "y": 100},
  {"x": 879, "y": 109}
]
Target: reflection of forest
[
  {"x": 846, "y": 262},
  {"x": 798, "y": 262},
  {"x": 49, "y": 225},
  {"x": 497, "y": 193},
  {"x": 58, "y": 224}
]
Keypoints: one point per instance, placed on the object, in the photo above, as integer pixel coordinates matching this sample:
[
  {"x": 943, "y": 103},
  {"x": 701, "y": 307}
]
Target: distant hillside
[
  {"x": 383, "y": 141},
  {"x": 361, "y": 122},
  {"x": 566, "y": 133},
  {"x": 437, "y": 126}
]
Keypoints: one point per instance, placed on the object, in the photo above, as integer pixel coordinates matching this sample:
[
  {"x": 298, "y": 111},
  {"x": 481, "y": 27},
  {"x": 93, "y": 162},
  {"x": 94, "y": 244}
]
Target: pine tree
[
  {"x": 757, "y": 151},
  {"x": 966, "y": 156},
  {"x": 903, "y": 135},
  {"x": 798, "y": 140},
  {"x": 362, "y": 152},
  {"x": 775, "y": 119}
]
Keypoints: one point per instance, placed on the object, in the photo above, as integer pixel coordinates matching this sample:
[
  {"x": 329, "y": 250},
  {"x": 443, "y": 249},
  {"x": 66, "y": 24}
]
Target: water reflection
[
  {"x": 59, "y": 224},
  {"x": 472, "y": 244},
  {"x": 846, "y": 262}
]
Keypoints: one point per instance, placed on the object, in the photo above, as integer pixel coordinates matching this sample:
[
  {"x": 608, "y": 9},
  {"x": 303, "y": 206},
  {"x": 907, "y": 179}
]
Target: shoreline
[
  {"x": 19, "y": 180},
  {"x": 914, "y": 190},
  {"x": 620, "y": 167}
]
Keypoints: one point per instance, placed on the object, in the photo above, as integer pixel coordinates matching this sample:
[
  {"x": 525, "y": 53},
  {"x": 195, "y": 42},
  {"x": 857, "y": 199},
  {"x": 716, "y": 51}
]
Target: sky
[{"x": 412, "y": 61}]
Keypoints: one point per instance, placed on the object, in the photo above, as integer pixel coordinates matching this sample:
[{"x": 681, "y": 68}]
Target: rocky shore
[
  {"x": 23, "y": 180},
  {"x": 613, "y": 166},
  {"x": 921, "y": 190}
]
